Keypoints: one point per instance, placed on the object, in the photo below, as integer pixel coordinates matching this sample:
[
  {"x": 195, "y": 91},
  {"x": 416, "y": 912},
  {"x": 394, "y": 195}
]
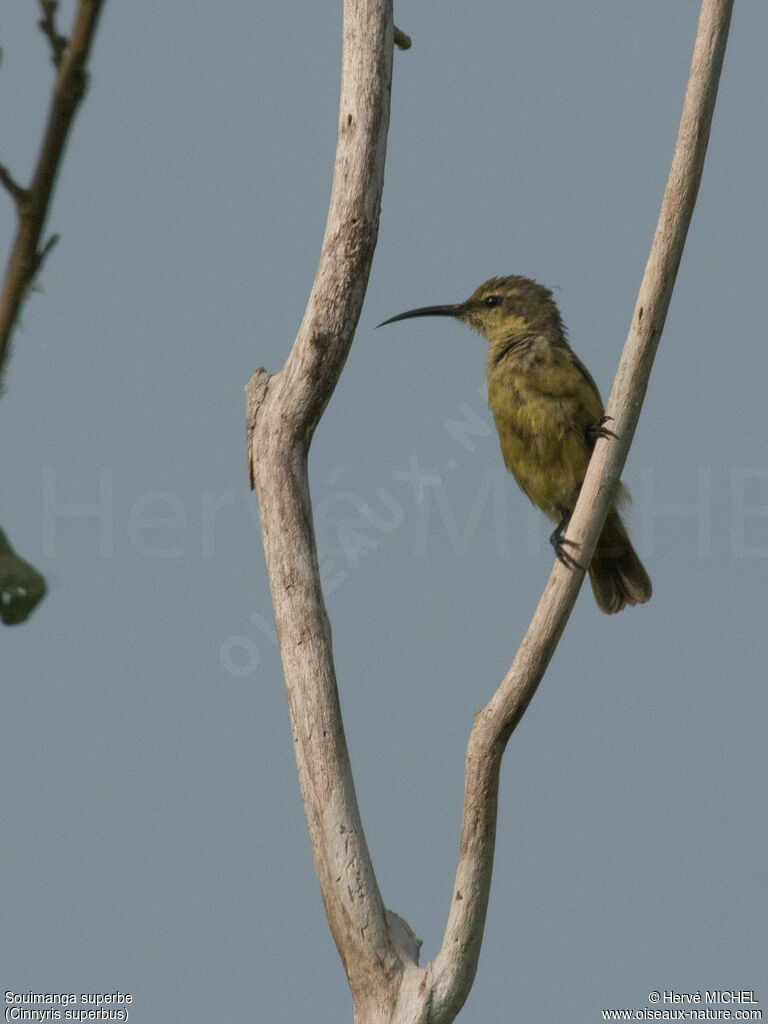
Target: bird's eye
[{"x": 493, "y": 300}]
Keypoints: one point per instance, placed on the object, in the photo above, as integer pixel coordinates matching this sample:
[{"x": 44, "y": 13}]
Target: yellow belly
[{"x": 543, "y": 419}]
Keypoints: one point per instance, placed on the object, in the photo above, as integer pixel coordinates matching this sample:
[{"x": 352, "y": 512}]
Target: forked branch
[
  {"x": 379, "y": 951},
  {"x": 70, "y": 57}
]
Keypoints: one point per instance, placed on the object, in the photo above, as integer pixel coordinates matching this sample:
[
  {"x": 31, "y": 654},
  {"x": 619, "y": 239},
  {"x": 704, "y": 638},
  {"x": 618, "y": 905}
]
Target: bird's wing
[{"x": 586, "y": 375}]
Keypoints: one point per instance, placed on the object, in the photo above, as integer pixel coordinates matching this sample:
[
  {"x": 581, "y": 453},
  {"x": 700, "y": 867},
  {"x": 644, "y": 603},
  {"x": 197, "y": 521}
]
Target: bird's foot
[
  {"x": 599, "y": 429},
  {"x": 558, "y": 542}
]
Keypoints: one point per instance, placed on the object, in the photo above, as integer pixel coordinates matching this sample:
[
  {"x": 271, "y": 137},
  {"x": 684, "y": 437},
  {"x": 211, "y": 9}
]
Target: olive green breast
[{"x": 543, "y": 403}]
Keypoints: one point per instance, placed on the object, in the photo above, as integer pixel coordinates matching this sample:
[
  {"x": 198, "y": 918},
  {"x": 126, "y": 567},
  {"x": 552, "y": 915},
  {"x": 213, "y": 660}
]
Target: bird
[{"x": 548, "y": 414}]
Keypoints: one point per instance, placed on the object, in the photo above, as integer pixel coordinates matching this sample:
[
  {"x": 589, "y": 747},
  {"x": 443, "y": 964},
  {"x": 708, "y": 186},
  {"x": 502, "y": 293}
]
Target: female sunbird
[{"x": 548, "y": 415}]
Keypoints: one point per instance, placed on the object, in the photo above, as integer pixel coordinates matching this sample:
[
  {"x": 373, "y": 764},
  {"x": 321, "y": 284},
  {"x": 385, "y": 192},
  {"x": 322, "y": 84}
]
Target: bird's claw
[
  {"x": 599, "y": 429},
  {"x": 558, "y": 542}
]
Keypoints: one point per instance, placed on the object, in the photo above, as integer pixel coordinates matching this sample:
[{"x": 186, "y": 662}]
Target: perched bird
[{"x": 548, "y": 415}]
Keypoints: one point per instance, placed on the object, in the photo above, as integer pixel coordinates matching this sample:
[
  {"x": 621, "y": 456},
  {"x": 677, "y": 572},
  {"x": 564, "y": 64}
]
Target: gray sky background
[{"x": 153, "y": 835}]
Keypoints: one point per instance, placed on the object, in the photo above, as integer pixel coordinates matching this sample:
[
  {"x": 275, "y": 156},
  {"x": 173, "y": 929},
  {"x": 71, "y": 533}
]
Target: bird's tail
[{"x": 616, "y": 573}]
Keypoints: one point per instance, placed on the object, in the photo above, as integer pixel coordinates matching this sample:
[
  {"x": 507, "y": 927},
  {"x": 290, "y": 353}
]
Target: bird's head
[{"x": 501, "y": 309}]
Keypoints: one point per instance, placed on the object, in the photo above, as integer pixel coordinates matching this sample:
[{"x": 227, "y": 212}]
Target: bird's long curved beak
[{"x": 425, "y": 311}]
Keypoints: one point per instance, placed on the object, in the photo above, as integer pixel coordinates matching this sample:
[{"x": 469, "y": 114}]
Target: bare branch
[
  {"x": 32, "y": 204},
  {"x": 20, "y": 194},
  {"x": 378, "y": 949},
  {"x": 283, "y": 412},
  {"x": 452, "y": 971},
  {"x": 48, "y": 27},
  {"x": 42, "y": 254}
]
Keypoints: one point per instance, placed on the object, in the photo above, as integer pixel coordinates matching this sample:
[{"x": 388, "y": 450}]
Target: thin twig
[
  {"x": 42, "y": 254},
  {"x": 32, "y": 204},
  {"x": 20, "y": 194},
  {"x": 48, "y": 26}
]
